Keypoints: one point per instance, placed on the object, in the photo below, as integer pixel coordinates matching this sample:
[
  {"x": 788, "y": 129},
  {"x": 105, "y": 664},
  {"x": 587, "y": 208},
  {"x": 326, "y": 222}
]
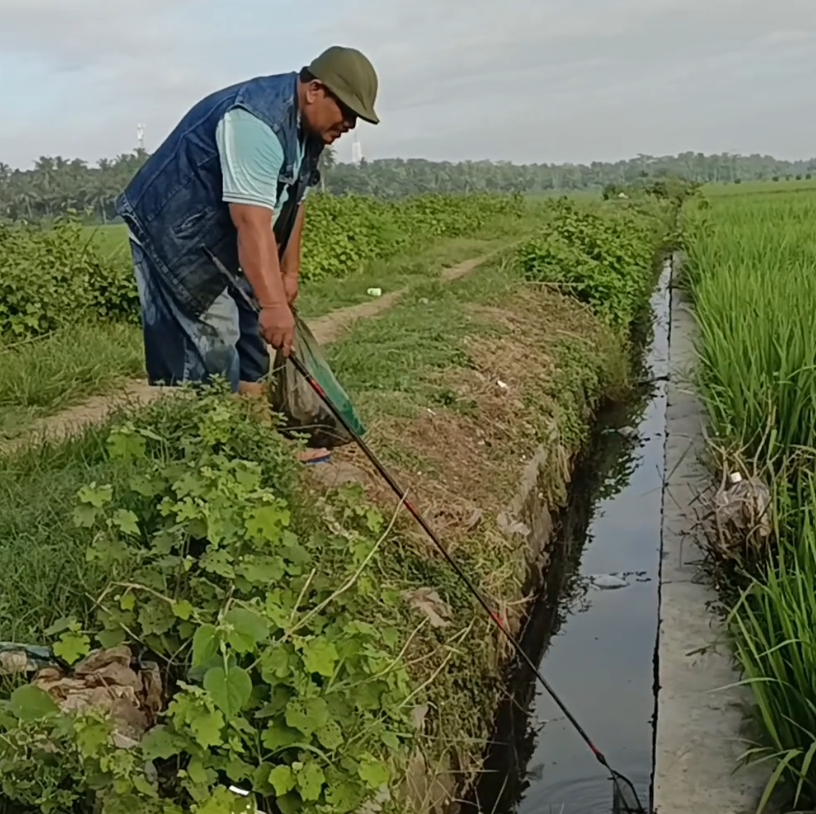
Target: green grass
[
  {"x": 40, "y": 378},
  {"x": 751, "y": 272},
  {"x": 388, "y": 365},
  {"x": 382, "y": 361},
  {"x": 781, "y": 187},
  {"x": 400, "y": 365},
  {"x": 319, "y": 297},
  {"x": 45, "y": 573},
  {"x": 111, "y": 239},
  {"x": 455, "y": 669},
  {"x": 418, "y": 356}
]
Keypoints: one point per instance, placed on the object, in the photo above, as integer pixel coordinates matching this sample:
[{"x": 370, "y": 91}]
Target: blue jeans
[{"x": 181, "y": 347}]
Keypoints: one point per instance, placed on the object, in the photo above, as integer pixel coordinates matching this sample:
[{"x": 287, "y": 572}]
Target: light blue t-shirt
[{"x": 251, "y": 158}]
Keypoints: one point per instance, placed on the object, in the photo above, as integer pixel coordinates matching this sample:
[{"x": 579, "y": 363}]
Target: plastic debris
[
  {"x": 244, "y": 793},
  {"x": 374, "y": 292},
  {"x": 107, "y": 680},
  {"x": 430, "y": 604},
  {"x": 741, "y": 512},
  {"x": 511, "y": 526},
  {"x": 608, "y": 582}
]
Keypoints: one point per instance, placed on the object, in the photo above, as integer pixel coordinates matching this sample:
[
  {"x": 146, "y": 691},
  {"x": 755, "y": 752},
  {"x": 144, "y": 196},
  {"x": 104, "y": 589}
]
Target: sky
[{"x": 514, "y": 80}]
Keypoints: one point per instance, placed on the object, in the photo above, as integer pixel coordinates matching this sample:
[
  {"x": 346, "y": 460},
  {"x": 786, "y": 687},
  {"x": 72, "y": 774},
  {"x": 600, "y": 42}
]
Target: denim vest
[{"x": 173, "y": 205}]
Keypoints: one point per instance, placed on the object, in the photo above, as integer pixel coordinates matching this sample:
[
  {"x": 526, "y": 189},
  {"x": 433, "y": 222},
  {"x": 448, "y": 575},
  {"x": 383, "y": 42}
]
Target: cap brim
[{"x": 354, "y": 105}]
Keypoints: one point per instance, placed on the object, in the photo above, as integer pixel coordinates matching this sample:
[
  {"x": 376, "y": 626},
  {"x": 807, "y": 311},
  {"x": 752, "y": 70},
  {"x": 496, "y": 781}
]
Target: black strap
[{"x": 285, "y": 224}]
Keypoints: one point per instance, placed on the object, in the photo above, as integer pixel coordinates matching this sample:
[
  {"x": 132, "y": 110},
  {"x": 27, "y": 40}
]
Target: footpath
[{"x": 700, "y": 711}]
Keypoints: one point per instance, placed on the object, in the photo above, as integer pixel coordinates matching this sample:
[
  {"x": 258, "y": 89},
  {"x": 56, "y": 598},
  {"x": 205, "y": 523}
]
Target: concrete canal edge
[{"x": 700, "y": 714}]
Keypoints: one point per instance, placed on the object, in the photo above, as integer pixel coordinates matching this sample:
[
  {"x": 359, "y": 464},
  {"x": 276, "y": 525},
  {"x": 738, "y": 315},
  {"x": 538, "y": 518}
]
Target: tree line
[{"x": 55, "y": 184}]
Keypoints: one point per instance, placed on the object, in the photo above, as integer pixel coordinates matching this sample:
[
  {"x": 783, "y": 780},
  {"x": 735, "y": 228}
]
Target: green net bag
[{"x": 303, "y": 411}]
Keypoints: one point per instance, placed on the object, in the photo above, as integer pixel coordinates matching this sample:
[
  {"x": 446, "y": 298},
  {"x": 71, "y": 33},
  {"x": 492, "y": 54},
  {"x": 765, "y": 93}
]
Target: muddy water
[{"x": 596, "y": 643}]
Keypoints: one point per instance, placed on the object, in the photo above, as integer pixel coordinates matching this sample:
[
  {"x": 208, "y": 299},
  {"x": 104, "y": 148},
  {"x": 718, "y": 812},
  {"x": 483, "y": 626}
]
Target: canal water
[{"x": 594, "y": 631}]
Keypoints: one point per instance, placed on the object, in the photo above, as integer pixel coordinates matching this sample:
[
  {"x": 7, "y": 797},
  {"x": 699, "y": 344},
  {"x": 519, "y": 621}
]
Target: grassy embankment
[
  {"x": 750, "y": 269},
  {"x": 295, "y": 622}
]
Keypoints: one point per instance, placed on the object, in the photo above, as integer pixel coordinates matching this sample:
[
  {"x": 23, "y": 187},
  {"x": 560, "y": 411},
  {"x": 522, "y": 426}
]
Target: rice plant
[
  {"x": 774, "y": 632},
  {"x": 752, "y": 273}
]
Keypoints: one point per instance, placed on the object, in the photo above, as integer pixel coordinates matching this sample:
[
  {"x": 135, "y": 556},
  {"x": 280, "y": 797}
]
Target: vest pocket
[{"x": 193, "y": 223}]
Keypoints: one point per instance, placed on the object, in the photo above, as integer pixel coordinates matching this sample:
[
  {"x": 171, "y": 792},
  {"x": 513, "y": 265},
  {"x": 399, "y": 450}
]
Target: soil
[
  {"x": 508, "y": 403},
  {"x": 93, "y": 411}
]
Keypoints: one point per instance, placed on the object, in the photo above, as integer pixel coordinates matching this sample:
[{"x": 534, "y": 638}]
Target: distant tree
[{"x": 55, "y": 184}]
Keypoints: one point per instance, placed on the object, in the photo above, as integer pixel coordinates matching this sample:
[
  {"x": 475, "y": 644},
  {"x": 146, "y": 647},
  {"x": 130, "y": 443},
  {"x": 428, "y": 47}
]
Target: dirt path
[
  {"x": 330, "y": 328},
  {"x": 96, "y": 409}
]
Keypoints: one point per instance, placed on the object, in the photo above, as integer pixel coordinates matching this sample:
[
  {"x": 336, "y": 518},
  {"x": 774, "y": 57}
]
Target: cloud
[{"x": 524, "y": 80}]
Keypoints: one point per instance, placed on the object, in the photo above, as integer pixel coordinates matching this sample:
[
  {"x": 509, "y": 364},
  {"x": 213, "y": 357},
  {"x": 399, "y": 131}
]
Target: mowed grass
[
  {"x": 40, "y": 378},
  {"x": 751, "y": 271}
]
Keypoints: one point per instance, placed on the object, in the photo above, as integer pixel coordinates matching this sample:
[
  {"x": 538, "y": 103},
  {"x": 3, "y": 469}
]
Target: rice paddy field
[{"x": 751, "y": 260}]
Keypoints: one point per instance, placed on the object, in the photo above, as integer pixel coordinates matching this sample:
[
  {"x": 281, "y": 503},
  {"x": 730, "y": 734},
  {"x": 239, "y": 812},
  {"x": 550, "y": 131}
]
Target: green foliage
[
  {"x": 55, "y": 184},
  {"x": 279, "y": 643},
  {"x": 773, "y": 627},
  {"x": 53, "y": 277},
  {"x": 666, "y": 188},
  {"x": 605, "y": 260},
  {"x": 750, "y": 272},
  {"x": 342, "y": 234}
]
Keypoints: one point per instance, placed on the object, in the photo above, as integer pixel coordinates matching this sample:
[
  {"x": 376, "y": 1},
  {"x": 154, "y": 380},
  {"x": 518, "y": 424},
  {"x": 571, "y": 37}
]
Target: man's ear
[{"x": 313, "y": 91}]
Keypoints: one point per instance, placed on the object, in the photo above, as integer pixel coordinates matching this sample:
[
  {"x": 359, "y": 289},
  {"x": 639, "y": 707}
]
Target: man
[{"x": 230, "y": 182}]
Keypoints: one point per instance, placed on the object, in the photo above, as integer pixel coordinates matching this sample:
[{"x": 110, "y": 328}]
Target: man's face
[{"x": 325, "y": 115}]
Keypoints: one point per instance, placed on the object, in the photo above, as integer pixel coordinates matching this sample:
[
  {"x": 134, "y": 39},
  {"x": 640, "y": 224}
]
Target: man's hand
[
  {"x": 290, "y": 287},
  {"x": 277, "y": 324}
]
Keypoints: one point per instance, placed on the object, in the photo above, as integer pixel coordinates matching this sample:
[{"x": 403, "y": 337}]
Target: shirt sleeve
[{"x": 251, "y": 159}]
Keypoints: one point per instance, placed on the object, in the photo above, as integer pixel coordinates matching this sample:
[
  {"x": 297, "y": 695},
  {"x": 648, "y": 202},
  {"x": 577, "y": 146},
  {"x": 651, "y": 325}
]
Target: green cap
[{"x": 351, "y": 77}]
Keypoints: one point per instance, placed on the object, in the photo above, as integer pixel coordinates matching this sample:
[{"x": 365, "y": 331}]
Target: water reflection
[{"x": 596, "y": 643}]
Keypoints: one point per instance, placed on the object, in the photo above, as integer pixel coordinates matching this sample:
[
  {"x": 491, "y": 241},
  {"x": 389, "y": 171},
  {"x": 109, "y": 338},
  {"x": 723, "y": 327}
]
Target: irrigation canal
[{"x": 596, "y": 642}]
